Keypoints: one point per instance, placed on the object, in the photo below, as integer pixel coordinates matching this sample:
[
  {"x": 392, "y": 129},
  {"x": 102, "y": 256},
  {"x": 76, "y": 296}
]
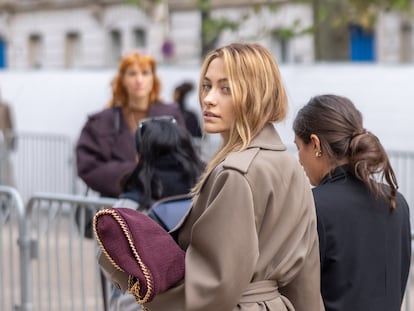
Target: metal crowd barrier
[
  {"x": 11, "y": 228},
  {"x": 45, "y": 264},
  {"x": 44, "y": 163},
  {"x": 403, "y": 165},
  {"x": 57, "y": 266}
]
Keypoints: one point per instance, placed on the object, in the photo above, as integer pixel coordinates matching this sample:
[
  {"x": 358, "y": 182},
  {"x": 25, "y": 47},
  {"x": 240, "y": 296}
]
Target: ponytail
[{"x": 370, "y": 164}]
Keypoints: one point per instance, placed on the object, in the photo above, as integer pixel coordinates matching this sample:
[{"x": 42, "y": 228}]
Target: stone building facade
[{"x": 95, "y": 33}]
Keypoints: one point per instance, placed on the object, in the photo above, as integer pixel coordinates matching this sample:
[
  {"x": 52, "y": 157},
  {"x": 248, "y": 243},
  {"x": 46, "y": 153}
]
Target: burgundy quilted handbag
[{"x": 135, "y": 244}]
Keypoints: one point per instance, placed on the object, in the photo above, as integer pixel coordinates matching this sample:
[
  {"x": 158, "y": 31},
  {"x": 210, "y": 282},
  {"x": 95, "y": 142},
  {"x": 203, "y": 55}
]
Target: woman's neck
[
  {"x": 138, "y": 104},
  {"x": 134, "y": 112}
]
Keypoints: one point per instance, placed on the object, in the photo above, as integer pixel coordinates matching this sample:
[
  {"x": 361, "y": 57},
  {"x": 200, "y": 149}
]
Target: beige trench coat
[{"x": 250, "y": 238}]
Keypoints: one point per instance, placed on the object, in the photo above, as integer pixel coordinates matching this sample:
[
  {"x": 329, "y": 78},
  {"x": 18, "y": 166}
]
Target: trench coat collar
[{"x": 267, "y": 138}]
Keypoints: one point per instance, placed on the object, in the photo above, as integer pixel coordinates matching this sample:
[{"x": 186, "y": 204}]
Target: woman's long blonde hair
[
  {"x": 119, "y": 93},
  {"x": 257, "y": 92}
]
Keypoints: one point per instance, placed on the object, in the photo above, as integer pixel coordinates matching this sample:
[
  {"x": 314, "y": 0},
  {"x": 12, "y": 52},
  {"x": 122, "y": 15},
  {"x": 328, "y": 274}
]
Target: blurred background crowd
[{"x": 57, "y": 58}]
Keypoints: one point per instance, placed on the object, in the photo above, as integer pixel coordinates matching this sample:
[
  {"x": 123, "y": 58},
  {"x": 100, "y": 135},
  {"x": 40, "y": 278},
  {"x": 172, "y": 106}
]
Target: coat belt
[{"x": 260, "y": 291}]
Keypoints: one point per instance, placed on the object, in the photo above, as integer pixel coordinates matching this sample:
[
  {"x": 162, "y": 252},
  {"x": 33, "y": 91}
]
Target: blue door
[
  {"x": 362, "y": 44},
  {"x": 2, "y": 53}
]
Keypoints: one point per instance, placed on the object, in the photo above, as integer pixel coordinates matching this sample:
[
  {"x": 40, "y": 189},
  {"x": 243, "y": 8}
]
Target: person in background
[
  {"x": 105, "y": 151},
  {"x": 7, "y": 144},
  {"x": 191, "y": 120},
  {"x": 363, "y": 221},
  {"x": 169, "y": 165},
  {"x": 250, "y": 237}
]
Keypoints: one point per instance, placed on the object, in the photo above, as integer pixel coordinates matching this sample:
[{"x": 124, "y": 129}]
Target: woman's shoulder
[
  {"x": 240, "y": 160},
  {"x": 258, "y": 158},
  {"x": 104, "y": 114},
  {"x": 104, "y": 119},
  {"x": 402, "y": 202}
]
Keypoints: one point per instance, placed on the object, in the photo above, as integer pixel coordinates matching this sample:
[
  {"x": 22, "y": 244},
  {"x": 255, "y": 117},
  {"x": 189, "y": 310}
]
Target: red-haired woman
[{"x": 105, "y": 150}]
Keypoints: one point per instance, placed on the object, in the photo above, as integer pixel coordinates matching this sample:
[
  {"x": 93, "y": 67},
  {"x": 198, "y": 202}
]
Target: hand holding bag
[{"x": 136, "y": 245}]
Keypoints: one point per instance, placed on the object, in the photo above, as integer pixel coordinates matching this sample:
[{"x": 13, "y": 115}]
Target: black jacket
[{"x": 365, "y": 247}]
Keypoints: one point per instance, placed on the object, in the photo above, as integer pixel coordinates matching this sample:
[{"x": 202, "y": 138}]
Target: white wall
[
  {"x": 59, "y": 101},
  {"x": 384, "y": 94}
]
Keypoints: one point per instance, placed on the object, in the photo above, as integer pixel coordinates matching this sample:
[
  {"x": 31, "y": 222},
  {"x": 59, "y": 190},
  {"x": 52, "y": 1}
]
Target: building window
[
  {"x": 35, "y": 51},
  {"x": 115, "y": 47},
  {"x": 2, "y": 53},
  {"x": 72, "y": 50},
  {"x": 362, "y": 44},
  {"x": 140, "y": 39}
]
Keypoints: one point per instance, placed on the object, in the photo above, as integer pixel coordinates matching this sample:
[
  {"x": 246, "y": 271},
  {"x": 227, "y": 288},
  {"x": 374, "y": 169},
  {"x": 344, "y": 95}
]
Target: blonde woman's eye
[
  {"x": 226, "y": 90},
  {"x": 206, "y": 87}
]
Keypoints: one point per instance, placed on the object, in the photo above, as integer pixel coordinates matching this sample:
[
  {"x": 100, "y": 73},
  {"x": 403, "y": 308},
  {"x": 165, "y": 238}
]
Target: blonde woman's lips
[{"x": 208, "y": 114}]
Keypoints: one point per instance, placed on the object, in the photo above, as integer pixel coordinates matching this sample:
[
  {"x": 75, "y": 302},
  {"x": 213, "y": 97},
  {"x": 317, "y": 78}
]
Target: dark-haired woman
[
  {"x": 168, "y": 165},
  {"x": 363, "y": 221},
  {"x": 191, "y": 120},
  {"x": 168, "y": 162}
]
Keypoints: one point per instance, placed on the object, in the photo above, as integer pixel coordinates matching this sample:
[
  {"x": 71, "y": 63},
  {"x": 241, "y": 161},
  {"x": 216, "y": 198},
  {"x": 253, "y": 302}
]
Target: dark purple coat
[{"x": 105, "y": 151}]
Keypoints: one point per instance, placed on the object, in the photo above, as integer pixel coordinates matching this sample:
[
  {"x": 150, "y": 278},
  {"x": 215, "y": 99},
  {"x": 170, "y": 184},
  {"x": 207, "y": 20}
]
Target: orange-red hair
[{"x": 119, "y": 93}]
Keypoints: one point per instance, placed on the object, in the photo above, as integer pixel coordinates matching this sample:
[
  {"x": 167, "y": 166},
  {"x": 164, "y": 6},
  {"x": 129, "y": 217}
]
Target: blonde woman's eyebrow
[
  {"x": 220, "y": 81},
  {"x": 224, "y": 80}
]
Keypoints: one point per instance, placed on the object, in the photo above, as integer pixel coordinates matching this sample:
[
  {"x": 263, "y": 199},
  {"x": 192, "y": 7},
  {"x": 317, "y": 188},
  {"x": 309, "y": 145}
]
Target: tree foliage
[
  {"x": 211, "y": 27},
  {"x": 361, "y": 12},
  {"x": 336, "y": 15},
  {"x": 141, "y": 3}
]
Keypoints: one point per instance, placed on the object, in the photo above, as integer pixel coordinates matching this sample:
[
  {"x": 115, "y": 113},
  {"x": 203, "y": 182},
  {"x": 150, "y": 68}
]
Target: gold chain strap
[{"x": 133, "y": 283}]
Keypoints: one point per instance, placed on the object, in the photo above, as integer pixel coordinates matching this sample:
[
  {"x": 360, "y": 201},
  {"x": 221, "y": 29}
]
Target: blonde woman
[
  {"x": 106, "y": 148},
  {"x": 250, "y": 238}
]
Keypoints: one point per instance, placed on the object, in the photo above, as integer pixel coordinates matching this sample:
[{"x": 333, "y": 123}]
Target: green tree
[
  {"x": 211, "y": 28},
  {"x": 332, "y": 19}
]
